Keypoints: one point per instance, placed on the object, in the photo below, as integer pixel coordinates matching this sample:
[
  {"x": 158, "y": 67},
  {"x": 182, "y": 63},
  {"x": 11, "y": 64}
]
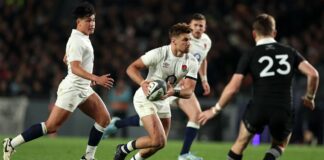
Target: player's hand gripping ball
[{"x": 157, "y": 89}]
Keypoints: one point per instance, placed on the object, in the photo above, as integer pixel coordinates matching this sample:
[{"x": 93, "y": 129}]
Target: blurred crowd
[{"x": 33, "y": 34}]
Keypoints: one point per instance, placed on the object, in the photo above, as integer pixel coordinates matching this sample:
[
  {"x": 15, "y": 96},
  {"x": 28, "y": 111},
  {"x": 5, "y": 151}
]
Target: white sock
[
  {"x": 15, "y": 142},
  {"x": 90, "y": 151},
  {"x": 137, "y": 156}
]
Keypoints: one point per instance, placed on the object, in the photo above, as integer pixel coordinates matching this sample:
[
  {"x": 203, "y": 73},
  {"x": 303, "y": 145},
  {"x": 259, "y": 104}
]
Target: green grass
[{"x": 72, "y": 148}]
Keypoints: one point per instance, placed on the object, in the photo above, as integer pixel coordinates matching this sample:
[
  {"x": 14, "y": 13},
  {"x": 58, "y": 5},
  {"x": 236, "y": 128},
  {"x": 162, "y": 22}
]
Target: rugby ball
[{"x": 157, "y": 89}]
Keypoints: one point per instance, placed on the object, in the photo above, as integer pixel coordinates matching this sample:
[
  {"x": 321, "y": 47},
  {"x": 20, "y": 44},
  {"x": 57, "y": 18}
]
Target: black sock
[
  {"x": 273, "y": 153},
  {"x": 130, "y": 121},
  {"x": 127, "y": 149},
  {"x": 190, "y": 135},
  {"x": 233, "y": 156},
  {"x": 95, "y": 136},
  {"x": 33, "y": 132}
]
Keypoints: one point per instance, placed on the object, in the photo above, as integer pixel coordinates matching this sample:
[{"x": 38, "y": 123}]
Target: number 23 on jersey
[{"x": 268, "y": 71}]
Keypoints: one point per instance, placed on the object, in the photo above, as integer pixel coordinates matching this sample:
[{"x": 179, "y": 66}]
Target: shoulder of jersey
[
  {"x": 192, "y": 58},
  {"x": 205, "y": 37}
]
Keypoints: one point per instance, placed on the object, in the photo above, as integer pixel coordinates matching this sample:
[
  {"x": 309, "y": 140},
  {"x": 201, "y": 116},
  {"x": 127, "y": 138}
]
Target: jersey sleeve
[
  {"x": 243, "y": 65},
  {"x": 152, "y": 57},
  {"x": 193, "y": 69},
  {"x": 209, "y": 44},
  {"x": 74, "y": 51},
  {"x": 298, "y": 58}
]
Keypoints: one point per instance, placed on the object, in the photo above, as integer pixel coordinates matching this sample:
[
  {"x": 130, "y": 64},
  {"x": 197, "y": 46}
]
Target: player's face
[
  {"x": 182, "y": 42},
  {"x": 198, "y": 27},
  {"x": 87, "y": 24}
]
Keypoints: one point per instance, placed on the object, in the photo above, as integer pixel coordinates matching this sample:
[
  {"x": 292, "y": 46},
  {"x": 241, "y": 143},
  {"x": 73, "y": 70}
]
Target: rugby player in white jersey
[
  {"x": 74, "y": 91},
  {"x": 173, "y": 64},
  {"x": 199, "y": 48}
]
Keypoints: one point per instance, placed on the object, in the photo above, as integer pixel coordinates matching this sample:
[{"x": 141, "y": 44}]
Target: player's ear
[
  {"x": 173, "y": 40},
  {"x": 77, "y": 21},
  {"x": 274, "y": 33},
  {"x": 254, "y": 34}
]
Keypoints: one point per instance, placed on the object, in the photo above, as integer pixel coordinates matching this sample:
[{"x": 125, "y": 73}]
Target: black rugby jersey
[{"x": 272, "y": 67}]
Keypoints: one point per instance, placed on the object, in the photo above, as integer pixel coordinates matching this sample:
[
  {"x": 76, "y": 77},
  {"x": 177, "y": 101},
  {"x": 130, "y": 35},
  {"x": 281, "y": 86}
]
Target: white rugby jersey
[
  {"x": 199, "y": 47},
  {"x": 165, "y": 66},
  {"x": 79, "y": 48}
]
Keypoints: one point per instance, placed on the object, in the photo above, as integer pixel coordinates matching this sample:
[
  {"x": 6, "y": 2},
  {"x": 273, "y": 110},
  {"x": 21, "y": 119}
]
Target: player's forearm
[
  {"x": 203, "y": 71},
  {"x": 135, "y": 74},
  {"x": 187, "y": 89},
  {"x": 185, "y": 93},
  {"x": 226, "y": 96},
  {"x": 312, "y": 84},
  {"x": 77, "y": 70},
  {"x": 230, "y": 90}
]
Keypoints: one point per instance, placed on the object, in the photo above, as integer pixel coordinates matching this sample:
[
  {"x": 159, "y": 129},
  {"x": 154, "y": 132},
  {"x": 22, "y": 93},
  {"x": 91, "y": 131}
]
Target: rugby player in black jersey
[{"x": 272, "y": 66}]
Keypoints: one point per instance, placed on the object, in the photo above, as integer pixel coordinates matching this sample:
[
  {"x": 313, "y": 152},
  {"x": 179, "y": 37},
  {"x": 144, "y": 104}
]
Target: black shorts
[{"x": 277, "y": 117}]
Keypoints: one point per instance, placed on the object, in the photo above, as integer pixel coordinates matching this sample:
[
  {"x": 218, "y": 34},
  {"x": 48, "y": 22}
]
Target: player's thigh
[
  {"x": 281, "y": 124},
  {"x": 166, "y": 122},
  {"x": 190, "y": 106},
  {"x": 95, "y": 108},
  {"x": 244, "y": 135},
  {"x": 153, "y": 126},
  {"x": 56, "y": 118}
]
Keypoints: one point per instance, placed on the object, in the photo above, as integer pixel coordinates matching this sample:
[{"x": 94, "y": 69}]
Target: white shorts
[
  {"x": 145, "y": 107},
  {"x": 173, "y": 101},
  {"x": 70, "y": 97}
]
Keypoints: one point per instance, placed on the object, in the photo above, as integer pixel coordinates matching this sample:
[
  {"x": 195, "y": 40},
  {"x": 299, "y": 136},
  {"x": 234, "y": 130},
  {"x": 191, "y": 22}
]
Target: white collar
[
  {"x": 77, "y": 32},
  {"x": 265, "y": 41}
]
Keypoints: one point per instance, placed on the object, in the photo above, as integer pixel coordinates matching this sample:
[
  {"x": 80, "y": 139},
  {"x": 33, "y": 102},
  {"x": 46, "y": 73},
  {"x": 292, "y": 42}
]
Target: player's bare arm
[
  {"x": 230, "y": 90},
  {"x": 104, "y": 80},
  {"x": 185, "y": 92},
  {"x": 312, "y": 83},
  {"x": 133, "y": 71},
  {"x": 203, "y": 77}
]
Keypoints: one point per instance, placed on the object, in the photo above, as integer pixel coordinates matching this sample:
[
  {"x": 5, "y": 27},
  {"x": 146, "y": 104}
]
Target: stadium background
[{"x": 33, "y": 34}]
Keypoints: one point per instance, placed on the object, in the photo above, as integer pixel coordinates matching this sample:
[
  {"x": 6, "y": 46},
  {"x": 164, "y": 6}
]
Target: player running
[{"x": 272, "y": 67}]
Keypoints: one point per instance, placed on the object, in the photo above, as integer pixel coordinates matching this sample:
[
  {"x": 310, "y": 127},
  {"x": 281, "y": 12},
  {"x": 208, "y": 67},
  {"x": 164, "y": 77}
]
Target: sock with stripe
[
  {"x": 129, "y": 147},
  {"x": 94, "y": 139},
  {"x": 273, "y": 153},
  {"x": 190, "y": 135},
  {"x": 33, "y": 132},
  {"x": 137, "y": 156}
]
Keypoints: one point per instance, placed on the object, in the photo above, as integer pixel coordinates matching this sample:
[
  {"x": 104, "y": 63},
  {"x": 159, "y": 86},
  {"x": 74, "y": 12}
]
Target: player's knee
[
  {"x": 159, "y": 142},
  {"x": 103, "y": 121}
]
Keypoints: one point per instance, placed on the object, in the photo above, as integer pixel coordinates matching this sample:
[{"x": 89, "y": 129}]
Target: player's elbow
[
  {"x": 74, "y": 70},
  {"x": 313, "y": 74},
  {"x": 129, "y": 70}
]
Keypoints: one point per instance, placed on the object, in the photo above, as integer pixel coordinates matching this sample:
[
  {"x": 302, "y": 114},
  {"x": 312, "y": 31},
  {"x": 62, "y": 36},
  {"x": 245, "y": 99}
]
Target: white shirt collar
[
  {"x": 75, "y": 31},
  {"x": 265, "y": 41}
]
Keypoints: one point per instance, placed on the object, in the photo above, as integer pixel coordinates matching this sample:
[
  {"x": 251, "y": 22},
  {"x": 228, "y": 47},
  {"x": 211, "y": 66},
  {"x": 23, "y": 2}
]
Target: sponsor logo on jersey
[
  {"x": 197, "y": 56},
  {"x": 269, "y": 47},
  {"x": 165, "y": 65},
  {"x": 184, "y": 68}
]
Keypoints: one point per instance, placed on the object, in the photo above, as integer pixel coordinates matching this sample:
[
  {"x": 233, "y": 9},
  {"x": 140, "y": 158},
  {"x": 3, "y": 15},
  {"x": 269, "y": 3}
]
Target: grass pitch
[{"x": 72, "y": 148}]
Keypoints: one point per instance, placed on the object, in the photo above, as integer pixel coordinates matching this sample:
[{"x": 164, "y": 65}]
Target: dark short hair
[
  {"x": 198, "y": 16},
  {"x": 264, "y": 24},
  {"x": 84, "y": 9},
  {"x": 178, "y": 29}
]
